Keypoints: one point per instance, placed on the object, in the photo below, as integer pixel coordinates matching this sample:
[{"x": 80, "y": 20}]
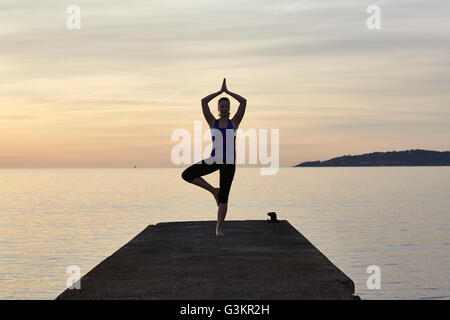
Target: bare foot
[
  {"x": 216, "y": 195},
  {"x": 219, "y": 233}
]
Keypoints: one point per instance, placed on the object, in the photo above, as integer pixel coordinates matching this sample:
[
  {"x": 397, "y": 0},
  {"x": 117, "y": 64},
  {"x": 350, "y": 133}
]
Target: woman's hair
[{"x": 224, "y": 98}]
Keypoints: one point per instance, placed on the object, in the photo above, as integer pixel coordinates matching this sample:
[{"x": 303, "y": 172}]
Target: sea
[{"x": 394, "y": 220}]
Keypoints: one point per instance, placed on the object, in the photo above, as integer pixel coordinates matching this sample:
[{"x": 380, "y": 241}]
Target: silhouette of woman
[{"x": 222, "y": 156}]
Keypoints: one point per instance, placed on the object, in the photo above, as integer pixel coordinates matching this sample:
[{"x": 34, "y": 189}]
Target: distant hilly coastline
[{"x": 392, "y": 158}]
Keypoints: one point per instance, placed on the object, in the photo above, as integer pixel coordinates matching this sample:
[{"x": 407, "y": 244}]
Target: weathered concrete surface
[{"x": 185, "y": 260}]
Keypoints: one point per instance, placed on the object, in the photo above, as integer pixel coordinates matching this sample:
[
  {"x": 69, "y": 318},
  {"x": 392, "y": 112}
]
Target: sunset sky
[{"x": 111, "y": 93}]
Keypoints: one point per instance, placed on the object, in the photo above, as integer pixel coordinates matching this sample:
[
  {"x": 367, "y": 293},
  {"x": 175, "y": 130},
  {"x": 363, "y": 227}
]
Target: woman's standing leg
[{"x": 226, "y": 178}]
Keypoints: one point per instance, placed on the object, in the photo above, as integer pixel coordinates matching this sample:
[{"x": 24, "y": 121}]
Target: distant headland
[{"x": 392, "y": 158}]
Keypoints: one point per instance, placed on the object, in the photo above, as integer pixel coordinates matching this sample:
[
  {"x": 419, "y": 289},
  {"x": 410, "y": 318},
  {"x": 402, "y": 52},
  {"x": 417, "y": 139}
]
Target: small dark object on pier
[{"x": 273, "y": 217}]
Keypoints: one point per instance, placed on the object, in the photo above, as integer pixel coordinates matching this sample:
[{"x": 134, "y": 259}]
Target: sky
[{"x": 111, "y": 93}]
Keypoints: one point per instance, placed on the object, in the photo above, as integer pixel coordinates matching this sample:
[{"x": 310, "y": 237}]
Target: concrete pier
[{"x": 185, "y": 260}]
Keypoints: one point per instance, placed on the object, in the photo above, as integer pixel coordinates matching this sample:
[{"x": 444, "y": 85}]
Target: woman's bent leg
[{"x": 193, "y": 175}]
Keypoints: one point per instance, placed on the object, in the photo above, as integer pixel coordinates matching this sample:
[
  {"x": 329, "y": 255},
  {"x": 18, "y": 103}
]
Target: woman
[{"x": 223, "y": 161}]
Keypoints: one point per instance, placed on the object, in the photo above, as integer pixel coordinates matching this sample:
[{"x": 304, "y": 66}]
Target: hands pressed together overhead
[{"x": 224, "y": 86}]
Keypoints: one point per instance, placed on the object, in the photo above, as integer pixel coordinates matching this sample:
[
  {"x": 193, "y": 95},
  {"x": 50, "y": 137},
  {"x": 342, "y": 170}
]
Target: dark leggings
[{"x": 202, "y": 168}]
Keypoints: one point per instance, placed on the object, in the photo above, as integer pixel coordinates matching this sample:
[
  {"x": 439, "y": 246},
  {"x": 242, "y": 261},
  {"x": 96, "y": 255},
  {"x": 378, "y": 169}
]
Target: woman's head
[{"x": 224, "y": 107}]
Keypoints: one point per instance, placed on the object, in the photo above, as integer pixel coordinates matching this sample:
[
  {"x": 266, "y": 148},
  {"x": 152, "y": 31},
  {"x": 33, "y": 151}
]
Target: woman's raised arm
[
  {"x": 241, "y": 110},
  {"x": 205, "y": 107}
]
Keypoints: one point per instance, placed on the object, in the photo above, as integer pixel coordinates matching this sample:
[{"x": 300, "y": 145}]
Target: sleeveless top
[{"x": 226, "y": 154}]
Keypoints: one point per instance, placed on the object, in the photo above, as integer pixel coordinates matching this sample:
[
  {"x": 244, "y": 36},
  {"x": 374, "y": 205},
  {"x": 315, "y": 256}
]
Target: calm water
[{"x": 396, "y": 218}]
